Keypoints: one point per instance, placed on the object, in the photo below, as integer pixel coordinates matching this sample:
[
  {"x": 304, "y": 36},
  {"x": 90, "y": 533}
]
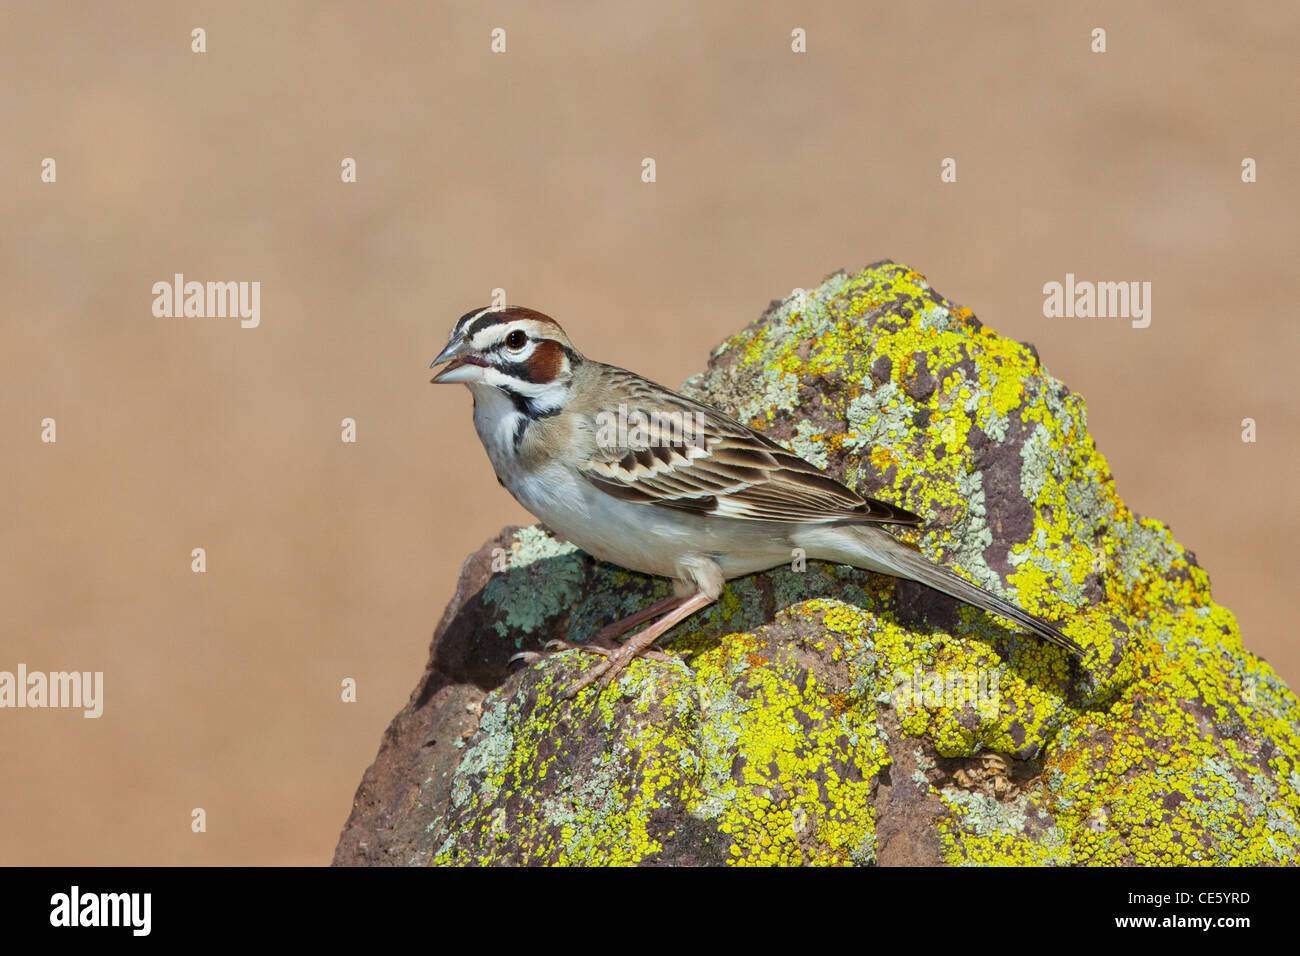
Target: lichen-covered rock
[{"x": 828, "y": 715}]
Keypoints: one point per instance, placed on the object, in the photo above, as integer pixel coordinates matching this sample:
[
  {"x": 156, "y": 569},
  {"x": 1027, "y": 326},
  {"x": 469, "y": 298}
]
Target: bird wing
[{"x": 667, "y": 450}]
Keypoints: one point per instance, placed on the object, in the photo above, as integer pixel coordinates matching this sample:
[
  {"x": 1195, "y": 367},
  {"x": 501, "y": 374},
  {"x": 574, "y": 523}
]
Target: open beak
[{"x": 464, "y": 365}]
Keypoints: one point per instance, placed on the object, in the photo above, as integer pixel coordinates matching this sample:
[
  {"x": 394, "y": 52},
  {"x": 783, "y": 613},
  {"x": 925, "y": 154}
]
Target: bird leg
[
  {"x": 615, "y": 661},
  {"x": 606, "y": 635},
  {"x": 604, "y": 641}
]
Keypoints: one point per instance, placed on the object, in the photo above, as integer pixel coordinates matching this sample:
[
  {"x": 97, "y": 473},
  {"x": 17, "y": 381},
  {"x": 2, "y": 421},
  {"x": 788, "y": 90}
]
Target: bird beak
[{"x": 465, "y": 365}]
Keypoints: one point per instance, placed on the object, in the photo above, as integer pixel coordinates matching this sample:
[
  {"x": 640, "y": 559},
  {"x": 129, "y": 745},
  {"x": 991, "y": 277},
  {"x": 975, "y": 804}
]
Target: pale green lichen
[
  {"x": 992, "y": 831},
  {"x": 808, "y": 444},
  {"x": 1037, "y": 457},
  {"x": 529, "y": 589},
  {"x": 876, "y": 419}
]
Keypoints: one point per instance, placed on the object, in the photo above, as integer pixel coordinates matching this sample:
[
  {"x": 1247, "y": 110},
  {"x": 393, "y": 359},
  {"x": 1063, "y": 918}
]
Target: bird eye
[{"x": 516, "y": 339}]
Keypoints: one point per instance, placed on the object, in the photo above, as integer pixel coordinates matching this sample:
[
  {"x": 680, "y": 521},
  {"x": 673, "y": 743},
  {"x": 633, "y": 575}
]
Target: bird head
[{"x": 519, "y": 351}]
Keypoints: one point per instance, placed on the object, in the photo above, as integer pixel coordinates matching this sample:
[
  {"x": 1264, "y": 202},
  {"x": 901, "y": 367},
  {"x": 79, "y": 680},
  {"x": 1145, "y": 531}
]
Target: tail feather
[{"x": 906, "y": 563}]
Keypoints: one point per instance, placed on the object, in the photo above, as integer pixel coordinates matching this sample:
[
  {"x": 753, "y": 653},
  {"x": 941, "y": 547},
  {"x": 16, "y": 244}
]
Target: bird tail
[{"x": 900, "y": 560}]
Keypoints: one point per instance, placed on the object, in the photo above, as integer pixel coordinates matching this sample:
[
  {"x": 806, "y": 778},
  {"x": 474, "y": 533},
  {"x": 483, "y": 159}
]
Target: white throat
[{"x": 495, "y": 419}]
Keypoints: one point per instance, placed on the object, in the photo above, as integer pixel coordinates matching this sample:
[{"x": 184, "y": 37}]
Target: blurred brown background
[{"x": 522, "y": 171}]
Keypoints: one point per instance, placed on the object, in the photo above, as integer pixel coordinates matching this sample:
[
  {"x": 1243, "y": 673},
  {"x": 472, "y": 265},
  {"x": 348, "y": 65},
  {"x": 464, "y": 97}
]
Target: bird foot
[
  {"x": 614, "y": 663},
  {"x": 553, "y": 647},
  {"x": 638, "y": 645},
  {"x": 604, "y": 672}
]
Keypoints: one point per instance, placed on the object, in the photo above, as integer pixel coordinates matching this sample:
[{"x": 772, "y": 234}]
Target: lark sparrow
[{"x": 635, "y": 474}]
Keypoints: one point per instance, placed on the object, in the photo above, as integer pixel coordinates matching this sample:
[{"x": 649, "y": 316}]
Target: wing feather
[{"x": 715, "y": 465}]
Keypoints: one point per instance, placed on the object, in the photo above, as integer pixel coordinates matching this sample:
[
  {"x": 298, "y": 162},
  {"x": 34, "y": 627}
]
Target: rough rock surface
[{"x": 829, "y": 715}]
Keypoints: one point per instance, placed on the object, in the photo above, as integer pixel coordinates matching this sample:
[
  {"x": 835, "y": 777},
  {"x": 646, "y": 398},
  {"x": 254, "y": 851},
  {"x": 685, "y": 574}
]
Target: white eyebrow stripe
[
  {"x": 484, "y": 339},
  {"x": 470, "y": 319},
  {"x": 497, "y": 333}
]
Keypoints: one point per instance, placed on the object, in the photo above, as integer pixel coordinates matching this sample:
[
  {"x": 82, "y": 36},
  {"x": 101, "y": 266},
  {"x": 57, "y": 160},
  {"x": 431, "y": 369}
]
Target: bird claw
[
  {"x": 558, "y": 645},
  {"x": 552, "y": 647}
]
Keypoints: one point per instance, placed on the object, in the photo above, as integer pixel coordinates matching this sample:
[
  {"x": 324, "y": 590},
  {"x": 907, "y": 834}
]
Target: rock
[{"x": 834, "y": 716}]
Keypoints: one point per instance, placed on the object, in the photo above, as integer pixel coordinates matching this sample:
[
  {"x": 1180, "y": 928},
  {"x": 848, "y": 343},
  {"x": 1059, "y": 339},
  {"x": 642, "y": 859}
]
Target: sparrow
[{"x": 643, "y": 477}]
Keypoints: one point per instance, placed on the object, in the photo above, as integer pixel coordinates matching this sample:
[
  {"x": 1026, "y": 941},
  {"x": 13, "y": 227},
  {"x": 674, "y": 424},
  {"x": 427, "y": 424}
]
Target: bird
[{"x": 643, "y": 477}]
